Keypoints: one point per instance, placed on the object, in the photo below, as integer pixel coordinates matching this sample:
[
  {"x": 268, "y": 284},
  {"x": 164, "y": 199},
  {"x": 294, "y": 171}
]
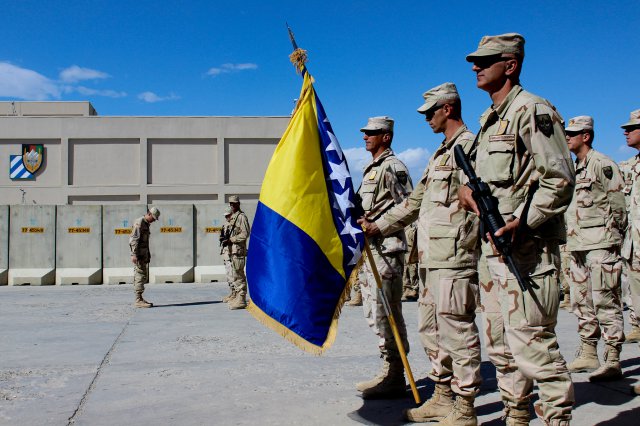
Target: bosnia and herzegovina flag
[{"x": 304, "y": 240}]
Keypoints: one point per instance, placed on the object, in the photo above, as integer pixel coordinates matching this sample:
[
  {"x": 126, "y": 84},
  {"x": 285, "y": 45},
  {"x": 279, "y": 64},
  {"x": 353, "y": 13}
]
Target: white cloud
[
  {"x": 627, "y": 151},
  {"x": 91, "y": 92},
  {"x": 415, "y": 157},
  {"x": 151, "y": 97},
  {"x": 22, "y": 83},
  {"x": 74, "y": 74},
  {"x": 227, "y": 68}
]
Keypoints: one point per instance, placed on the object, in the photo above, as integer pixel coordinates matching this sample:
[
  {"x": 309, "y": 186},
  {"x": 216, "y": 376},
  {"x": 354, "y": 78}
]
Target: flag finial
[{"x": 299, "y": 56}]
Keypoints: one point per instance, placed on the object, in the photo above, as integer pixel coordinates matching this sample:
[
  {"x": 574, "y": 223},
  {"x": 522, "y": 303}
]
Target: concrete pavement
[{"x": 83, "y": 355}]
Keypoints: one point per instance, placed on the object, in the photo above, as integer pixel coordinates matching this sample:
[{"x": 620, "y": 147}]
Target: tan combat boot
[
  {"x": 388, "y": 384},
  {"x": 141, "y": 303},
  {"x": 435, "y": 408},
  {"x": 586, "y": 359},
  {"x": 611, "y": 369},
  {"x": 229, "y": 296},
  {"x": 566, "y": 302},
  {"x": 239, "y": 302},
  {"x": 516, "y": 416},
  {"x": 409, "y": 294},
  {"x": 357, "y": 299},
  {"x": 634, "y": 335},
  {"x": 462, "y": 414}
]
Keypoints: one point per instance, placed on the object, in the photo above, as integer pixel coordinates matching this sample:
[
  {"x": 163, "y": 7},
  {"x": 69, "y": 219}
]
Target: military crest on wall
[{"x": 32, "y": 157}]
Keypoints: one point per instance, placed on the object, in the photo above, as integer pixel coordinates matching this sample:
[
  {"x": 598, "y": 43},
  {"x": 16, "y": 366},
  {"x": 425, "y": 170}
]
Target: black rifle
[
  {"x": 489, "y": 214},
  {"x": 225, "y": 235}
]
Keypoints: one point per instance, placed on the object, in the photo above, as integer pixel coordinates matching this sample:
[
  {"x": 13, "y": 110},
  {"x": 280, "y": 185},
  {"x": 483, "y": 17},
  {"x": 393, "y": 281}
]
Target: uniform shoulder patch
[
  {"x": 607, "y": 171},
  {"x": 402, "y": 177},
  {"x": 544, "y": 124}
]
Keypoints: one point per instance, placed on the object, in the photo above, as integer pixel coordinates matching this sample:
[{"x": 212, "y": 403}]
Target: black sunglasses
[
  {"x": 431, "y": 112},
  {"x": 374, "y": 132},
  {"x": 487, "y": 61},
  {"x": 572, "y": 134}
]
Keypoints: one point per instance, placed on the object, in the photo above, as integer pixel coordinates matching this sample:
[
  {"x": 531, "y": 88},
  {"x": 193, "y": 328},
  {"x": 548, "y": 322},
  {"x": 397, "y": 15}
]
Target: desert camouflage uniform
[
  {"x": 410, "y": 275},
  {"x": 226, "y": 257},
  {"x": 139, "y": 244},
  {"x": 240, "y": 229},
  {"x": 522, "y": 155},
  {"x": 631, "y": 246},
  {"x": 563, "y": 274},
  {"x": 626, "y": 168},
  {"x": 596, "y": 219},
  {"x": 385, "y": 183},
  {"x": 447, "y": 253}
]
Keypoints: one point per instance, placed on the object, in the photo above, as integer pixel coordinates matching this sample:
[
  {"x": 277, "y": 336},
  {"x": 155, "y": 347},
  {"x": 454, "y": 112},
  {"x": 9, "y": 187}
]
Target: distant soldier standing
[
  {"x": 386, "y": 182},
  {"x": 448, "y": 254},
  {"x": 225, "y": 252},
  {"x": 523, "y": 156},
  {"x": 596, "y": 220},
  {"x": 633, "y": 336},
  {"x": 410, "y": 280},
  {"x": 239, "y": 230},
  {"x": 141, "y": 255}
]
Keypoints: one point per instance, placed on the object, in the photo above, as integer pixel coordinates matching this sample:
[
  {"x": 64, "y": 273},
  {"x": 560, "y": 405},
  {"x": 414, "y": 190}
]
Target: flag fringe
[{"x": 294, "y": 338}]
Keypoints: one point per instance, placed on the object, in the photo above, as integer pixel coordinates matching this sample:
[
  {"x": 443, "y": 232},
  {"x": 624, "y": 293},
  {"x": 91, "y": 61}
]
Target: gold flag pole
[{"x": 392, "y": 321}]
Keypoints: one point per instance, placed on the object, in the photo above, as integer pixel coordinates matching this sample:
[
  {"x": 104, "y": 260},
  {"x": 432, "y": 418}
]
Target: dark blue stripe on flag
[{"x": 290, "y": 278}]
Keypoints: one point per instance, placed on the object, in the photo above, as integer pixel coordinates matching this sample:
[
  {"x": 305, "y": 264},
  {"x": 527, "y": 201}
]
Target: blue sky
[{"x": 369, "y": 58}]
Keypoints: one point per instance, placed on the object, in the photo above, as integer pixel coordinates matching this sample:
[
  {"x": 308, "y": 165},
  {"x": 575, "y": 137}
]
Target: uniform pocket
[
  {"x": 542, "y": 297},
  {"x": 457, "y": 296},
  {"x": 441, "y": 186},
  {"x": 442, "y": 243},
  {"x": 500, "y": 161}
]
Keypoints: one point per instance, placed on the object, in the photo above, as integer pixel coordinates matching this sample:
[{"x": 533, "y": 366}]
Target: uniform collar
[
  {"x": 447, "y": 144},
  {"x": 386, "y": 153},
  {"x": 585, "y": 161},
  {"x": 502, "y": 109}
]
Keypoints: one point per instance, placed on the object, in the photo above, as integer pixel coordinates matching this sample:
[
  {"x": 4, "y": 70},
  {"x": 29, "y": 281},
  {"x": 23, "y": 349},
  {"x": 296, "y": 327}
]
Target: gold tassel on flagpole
[{"x": 299, "y": 58}]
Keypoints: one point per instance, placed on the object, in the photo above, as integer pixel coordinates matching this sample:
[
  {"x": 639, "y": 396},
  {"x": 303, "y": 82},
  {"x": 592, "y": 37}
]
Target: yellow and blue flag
[{"x": 304, "y": 240}]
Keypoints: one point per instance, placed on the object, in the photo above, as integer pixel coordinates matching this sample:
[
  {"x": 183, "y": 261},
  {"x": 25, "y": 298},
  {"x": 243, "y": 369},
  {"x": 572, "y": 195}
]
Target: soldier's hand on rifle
[
  {"x": 509, "y": 228},
  {"x": 370, "y": 228},
  {"x": 466, "y": 201}
]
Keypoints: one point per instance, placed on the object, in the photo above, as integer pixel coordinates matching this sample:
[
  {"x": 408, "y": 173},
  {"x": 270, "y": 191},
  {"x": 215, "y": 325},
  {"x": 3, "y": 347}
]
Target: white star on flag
[
  {"x": 339, "y": 172},
  {"x": 349, "y": 229},
  {"x": 357, "y": 252},
  {"x": 334, "y": 145},
  {"x": 343, "y": 201}
]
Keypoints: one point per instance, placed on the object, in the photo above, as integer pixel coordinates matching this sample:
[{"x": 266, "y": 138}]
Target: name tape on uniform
[
  {"x": 171, "y": 229},
  {"x": 122, "y": 231},
  {"x": 80, "y": 230},
  {"x": 213, "y": 229},
  {"x": 32, "y": 230}
]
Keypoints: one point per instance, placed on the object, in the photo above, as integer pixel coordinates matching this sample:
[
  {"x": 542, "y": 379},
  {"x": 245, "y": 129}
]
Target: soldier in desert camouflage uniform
[
  {"x": 226, "y": 257},
  {"x": 447, "y": 253},
  {"x": 523, "y": 157},
  {"x": 239, "y": 230},
  {"x": 631, "y": 245},
  {"x": 385, "y": 183},
  {"x": 141, "y": 255},
  {"x": 410, "y": 279},
  {"x": 633, "y": 336},
  {"x": 596, "y": 219}
]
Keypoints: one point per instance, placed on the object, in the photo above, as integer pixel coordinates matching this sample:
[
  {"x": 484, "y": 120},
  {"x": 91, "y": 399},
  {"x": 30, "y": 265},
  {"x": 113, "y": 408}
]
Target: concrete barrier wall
[
  {"x": 32, "y": 231},
  {"x": 172, "y": 244},
  {"x": 78, "y": 245},
  {"x": 84, "y": 244},
  {"x": 4, "y": 245},
  {"x": 117, "y": 222}
]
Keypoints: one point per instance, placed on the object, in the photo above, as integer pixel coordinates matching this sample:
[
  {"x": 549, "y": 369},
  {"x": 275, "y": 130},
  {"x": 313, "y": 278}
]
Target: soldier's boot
[
  {"x": 634, "y": 335},
  {"x": 463, "y": 413},
  {"x": 388, "y": 384},
  {"x": 566, "y": 302},
  {"x": 611, "y": 369},
  {"x": 141, "y": 303},
  {"x": 435, "y": 408},
  {"x": 586, "y": 359},
  {"x": 409, "y": 294},
  {"x": 230, "y": 296},
  {"x": 516, "y": 416},
  {"x": 357, "y": 299},
  {"x": 239, "y": 302}
]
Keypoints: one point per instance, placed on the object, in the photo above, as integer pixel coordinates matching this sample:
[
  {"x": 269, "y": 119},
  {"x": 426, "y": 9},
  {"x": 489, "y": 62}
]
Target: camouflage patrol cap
[
  {"x": 379, "y": 123},
  {"x": 234, "y": 199},
  {"x": 580, "y": 123},
  {"x": 154, "y": 212},
  {"x": 496, "y": 45},
  {"x": 634, "y": 119},
  {"x": 228, "y": 212},
  {"x": 439, "y": 95}
]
